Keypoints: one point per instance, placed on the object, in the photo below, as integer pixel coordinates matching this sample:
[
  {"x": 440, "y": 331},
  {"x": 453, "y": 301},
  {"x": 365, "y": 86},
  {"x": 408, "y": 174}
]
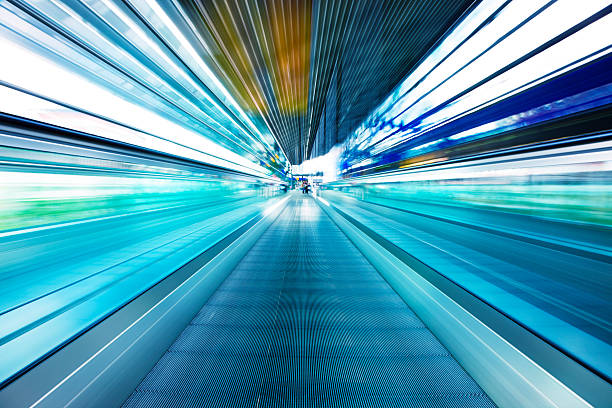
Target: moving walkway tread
[{"x": 305, "y": 320}]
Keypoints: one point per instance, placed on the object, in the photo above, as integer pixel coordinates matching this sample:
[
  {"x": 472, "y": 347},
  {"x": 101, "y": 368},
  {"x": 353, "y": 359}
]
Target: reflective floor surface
[{"x": 305, "y": 320}]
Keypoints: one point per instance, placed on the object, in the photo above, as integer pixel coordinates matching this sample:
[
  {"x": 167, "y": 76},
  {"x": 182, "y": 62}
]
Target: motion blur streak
[
  {"x": 86, "y": 230},
  {"x": 486, "y": 85},
  {"x": 440, "y": 160},
  {"x": 492, "y": 164},
  {"x": 533, "y": 225},
  {"x": 119, "y": 83},
  {"x": 456, "y": 249}
]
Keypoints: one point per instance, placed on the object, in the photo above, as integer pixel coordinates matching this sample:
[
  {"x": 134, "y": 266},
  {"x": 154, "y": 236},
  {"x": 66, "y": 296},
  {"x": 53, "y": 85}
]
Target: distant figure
[{"x": 305, "y": 187}]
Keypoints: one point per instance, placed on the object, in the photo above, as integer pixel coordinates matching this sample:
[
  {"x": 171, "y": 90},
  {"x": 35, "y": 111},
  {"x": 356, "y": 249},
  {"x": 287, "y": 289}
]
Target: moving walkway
[
  {"x": 305, "y": 320},
  {"x": 303, "y": 305}
]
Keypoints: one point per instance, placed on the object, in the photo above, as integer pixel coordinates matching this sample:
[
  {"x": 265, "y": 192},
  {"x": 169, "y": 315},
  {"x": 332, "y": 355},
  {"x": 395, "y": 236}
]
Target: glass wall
[
  {"x": 529, "y": 234},
  {"x": 83, "y": 231}
]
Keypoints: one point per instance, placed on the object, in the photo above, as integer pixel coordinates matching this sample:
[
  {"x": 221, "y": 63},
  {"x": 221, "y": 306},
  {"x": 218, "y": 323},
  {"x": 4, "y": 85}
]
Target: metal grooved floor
[{"x": 306, "y": 321}]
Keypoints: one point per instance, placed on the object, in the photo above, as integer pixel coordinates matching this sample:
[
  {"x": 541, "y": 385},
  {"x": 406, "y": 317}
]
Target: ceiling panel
[{"x": 278, "y": 57}]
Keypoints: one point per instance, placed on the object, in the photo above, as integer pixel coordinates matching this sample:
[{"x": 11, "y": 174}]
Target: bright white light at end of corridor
[{"x": 326, "y": 164}]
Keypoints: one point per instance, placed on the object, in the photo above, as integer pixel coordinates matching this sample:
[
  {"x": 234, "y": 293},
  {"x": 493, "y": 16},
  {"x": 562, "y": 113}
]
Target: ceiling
[{"x": 281, "y": 58}]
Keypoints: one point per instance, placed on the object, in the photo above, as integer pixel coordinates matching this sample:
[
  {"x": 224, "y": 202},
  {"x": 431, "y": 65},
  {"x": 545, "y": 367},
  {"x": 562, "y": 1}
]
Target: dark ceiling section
[
  {"x": 311, "y": 71},
  {"x": 381, "y": 43}
]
